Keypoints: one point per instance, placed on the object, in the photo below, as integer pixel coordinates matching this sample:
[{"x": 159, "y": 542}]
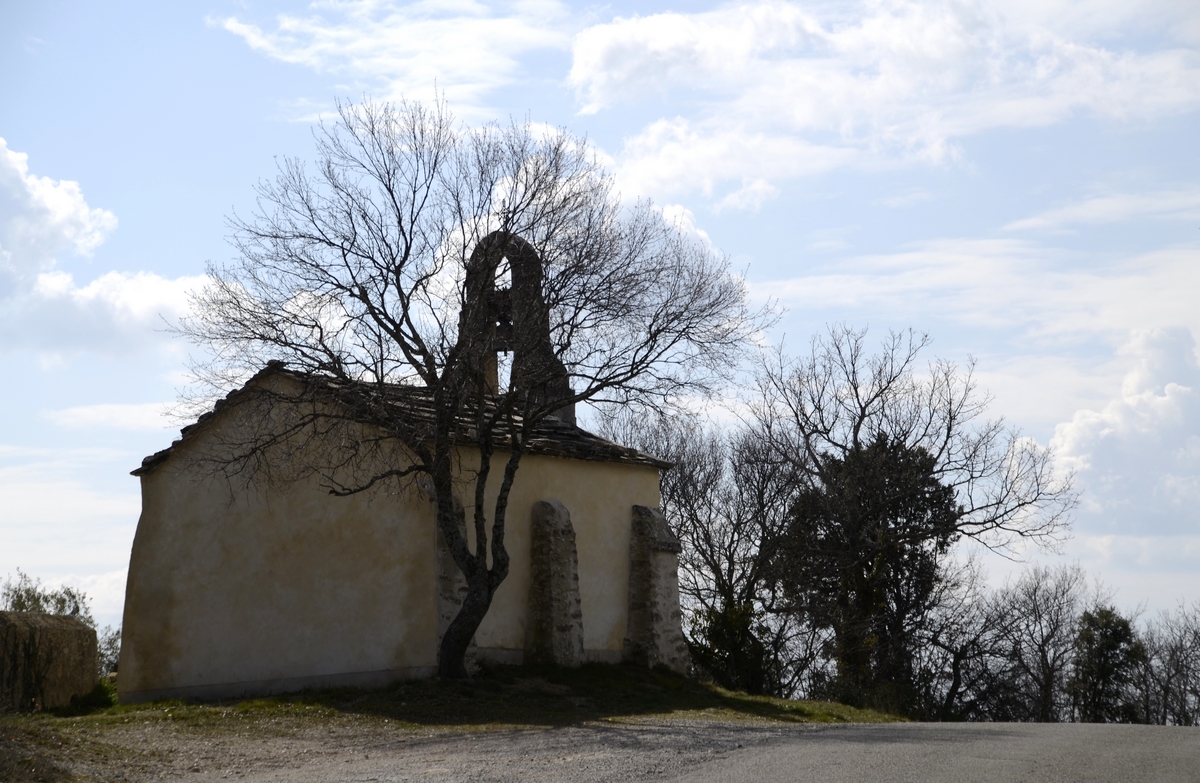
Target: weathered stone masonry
[
  {"x": 555, "y": 615},
  {"x": 654, "y": 635}
]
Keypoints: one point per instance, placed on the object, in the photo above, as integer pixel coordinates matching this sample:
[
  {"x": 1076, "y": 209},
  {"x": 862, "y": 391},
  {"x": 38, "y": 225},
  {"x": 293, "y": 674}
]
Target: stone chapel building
[{"x": 237, "y": 590}]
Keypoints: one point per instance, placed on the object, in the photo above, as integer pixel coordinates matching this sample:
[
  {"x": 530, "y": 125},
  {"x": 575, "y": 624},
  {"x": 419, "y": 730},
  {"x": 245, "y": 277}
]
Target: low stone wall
[{"x": 45, "y": 660}]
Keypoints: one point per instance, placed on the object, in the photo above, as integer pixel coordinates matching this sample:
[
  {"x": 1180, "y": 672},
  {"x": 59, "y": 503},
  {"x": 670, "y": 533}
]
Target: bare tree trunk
[
  {"x": 482, "y": 581},
  {"x": 453, "y": 650}
]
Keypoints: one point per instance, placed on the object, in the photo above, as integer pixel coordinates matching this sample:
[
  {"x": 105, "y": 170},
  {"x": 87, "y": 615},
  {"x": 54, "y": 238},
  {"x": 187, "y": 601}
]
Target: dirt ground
[
  {"x": 520, "y": 724},
  {"x": 369, "y": 750}
]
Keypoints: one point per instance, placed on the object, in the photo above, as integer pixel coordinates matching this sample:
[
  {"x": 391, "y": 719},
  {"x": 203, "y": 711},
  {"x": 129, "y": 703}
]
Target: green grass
[
  {"x": 513, "y": 696},
  {"x": 530, "y": 696},
  {"x": 500, "y": 697}
]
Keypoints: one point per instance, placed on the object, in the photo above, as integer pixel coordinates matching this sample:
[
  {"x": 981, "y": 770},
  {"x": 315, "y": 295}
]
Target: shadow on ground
[{"x": 26, "y": 753}]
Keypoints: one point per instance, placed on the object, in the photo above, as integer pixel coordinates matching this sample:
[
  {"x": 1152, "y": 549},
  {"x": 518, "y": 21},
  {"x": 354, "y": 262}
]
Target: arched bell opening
[{"x": 512, "y": 319}]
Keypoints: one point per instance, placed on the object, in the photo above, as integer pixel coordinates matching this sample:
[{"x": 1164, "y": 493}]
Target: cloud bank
[
  {"x": 783, "y": 90},
  {"x": 468, "y": 49},
  {"x": 1138, "y": 458},
  {"x": 772, "y": 90},
  {"x": 42, "y": 308},
  {"x": 1173, "y": 204},
  {"x": 147, "y": 416},
  {"x": 1020, "y": 286}
]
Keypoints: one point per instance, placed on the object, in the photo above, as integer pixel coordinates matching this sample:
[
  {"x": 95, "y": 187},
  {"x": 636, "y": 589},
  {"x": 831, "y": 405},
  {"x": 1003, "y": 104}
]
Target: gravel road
[{"x": 666, "y": 750}]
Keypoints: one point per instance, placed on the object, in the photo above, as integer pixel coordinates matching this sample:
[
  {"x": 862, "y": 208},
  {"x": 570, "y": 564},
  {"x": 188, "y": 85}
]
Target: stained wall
[{"x": 237, "y": 589}]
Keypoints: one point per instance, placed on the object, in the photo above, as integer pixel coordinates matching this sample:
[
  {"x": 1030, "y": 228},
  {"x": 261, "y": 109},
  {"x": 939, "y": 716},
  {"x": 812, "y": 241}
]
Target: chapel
[{"x": 244, "y": 586}]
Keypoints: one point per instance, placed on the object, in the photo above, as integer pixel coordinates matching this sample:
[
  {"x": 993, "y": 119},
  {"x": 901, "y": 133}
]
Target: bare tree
[
  {"x": 840, "y": 398},
  {"x": 1180, "y": 635},
  {"x": 897, "y": 466},
  {"x": 962, "y": 666},
  {"x": 1044, "y": 604},
  {"x": 1168, "y": 683},
  {"x": 388, "y": 278}
]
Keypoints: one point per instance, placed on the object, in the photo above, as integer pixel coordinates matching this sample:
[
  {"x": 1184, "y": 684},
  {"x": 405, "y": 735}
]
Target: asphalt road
[
  {"x": 983, "y": 753},
  {"x": 655, "y": 750}
]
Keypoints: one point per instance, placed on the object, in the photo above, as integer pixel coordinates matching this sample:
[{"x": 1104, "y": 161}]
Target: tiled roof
[{"x": 551, "y": 437}]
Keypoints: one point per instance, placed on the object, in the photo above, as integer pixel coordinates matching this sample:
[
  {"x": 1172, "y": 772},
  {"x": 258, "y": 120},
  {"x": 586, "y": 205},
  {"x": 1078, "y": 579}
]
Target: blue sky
[{"x": 1018, "y": 178}]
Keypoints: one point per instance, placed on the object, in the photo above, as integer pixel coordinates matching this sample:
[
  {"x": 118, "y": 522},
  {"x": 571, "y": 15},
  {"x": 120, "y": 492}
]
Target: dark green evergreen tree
[
  {"x": 1107, "y": 656},
  {"x": 862, "y": 556},
  {"x": 727, "y": 642}
]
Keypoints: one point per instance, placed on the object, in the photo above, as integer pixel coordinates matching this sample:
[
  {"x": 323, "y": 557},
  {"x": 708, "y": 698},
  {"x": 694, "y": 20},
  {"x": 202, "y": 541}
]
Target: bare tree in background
[
  {"x": 840, "y": 398},
  {"x": 977, "y": 653},
  {"x": 1045, "y": 604},
  {"x": 379, "y": 276},
  {"x": 1169, "y": 683},
  {"x": 962, "y": 661},
  {"x": 896, "y": 465}
]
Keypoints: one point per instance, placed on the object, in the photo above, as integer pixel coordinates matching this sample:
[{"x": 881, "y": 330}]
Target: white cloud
[
  {"x": 908, "y": 199},
  {"x": 32, "y": 481},
  {"x": 136, "y": 297},
  {"x": 1007, "y": 284},
  {"x": 751, "y": 195},
  {"x": 1138, "y": 457},
  {"x": 1153, "y": 573},
  {"x": 872, "y": 82},
  {"x": 685, "y": 220},
  {"x": 42, "y": 308},
  {"x": 151, "y": 416},
  {"x": 117, "y": 312},
  {"x": 1177, "y": 204},
  {"x": 780, "y": 90},
  {"x": 41, "y": 218},
  {"x": 679, "y": 156},
  {"x": 1154, "y": 554},
  {"x": 467, "y": 48},
  {"x": 106, "y": 590},
  {"x": 1043, "y": 321}
]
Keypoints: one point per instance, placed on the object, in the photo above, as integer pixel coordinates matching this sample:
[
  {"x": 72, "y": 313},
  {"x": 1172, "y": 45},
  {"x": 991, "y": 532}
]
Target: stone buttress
[
  {"x": 654, "y": 634},
  {"x": 555, "y": 631}
]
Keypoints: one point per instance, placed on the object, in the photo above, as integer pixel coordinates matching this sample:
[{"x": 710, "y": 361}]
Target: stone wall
[
  {"x": 654, "y": 635},
  {"x": 45, "y": 660}
]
